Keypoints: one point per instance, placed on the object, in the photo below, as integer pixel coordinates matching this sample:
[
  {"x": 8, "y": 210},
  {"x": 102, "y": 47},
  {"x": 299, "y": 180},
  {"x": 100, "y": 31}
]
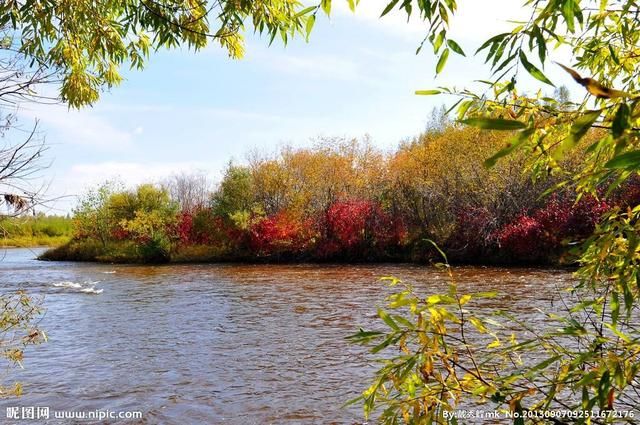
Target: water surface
[{"x": 236, "y": 344}]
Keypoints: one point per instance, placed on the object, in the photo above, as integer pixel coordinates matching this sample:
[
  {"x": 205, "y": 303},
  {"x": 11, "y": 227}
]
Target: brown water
[{"x": 236, "y": 344}]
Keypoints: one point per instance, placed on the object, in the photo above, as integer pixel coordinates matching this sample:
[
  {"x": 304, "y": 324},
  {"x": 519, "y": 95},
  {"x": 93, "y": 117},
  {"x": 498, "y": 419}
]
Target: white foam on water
[
  {"x": 87, "y": 287},
  {"x": 67, "y": 284},
  {"x": 92, "y": 291}
]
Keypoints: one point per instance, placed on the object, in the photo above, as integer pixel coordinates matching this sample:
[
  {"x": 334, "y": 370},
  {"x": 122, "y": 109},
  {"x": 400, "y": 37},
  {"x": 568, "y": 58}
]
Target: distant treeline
[
  {"x": 345, "y": 200},
  {"x": 39, "y": 230}
]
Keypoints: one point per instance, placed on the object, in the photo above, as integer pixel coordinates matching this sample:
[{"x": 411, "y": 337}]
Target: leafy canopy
[{"x": 85, "y": 42}]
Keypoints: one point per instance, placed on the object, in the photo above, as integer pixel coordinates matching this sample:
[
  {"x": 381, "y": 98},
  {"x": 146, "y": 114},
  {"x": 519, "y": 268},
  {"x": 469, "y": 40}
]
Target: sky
[{"x": 194, "y": 112}]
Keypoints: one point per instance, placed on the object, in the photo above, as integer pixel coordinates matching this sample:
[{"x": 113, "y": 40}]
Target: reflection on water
[{"x": 238, "y": 344}]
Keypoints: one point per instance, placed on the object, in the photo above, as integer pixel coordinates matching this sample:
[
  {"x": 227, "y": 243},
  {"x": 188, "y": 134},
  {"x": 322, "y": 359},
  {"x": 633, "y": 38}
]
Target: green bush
[
  {"x": 198, "y": 254},
  {"x": 156, "y": 250},
  {"x": 35, "y": 231}
]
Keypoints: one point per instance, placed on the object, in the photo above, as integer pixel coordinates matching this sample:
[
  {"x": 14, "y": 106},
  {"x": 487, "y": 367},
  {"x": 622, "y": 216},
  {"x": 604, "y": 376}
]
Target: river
[{"x": 236, "y": 344}]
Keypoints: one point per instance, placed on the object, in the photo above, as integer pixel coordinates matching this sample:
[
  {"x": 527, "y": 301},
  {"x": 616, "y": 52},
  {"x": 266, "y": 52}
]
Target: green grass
[
  {"x": 35, "y": 231},
  {"x": 92, "y": 250},
  {"x": 127, "y": 252}
]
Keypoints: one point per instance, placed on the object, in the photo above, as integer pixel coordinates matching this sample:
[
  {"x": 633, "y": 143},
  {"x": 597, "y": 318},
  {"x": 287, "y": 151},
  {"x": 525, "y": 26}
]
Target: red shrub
[
  {"x": 119, "y": 234},
  {"x": 281, "y": 234},
  {"x": 472, "y": 234},
  {"x": 524, "y": 239},
  {"x": 359, "y": 228},
  {"x": 629, "y": 194},
  {"x": 583, "y": 217},
  {"x": 184, "y": 227},
  {"x": 201, "y": 227},
  {"x": 542, "y": 234}
]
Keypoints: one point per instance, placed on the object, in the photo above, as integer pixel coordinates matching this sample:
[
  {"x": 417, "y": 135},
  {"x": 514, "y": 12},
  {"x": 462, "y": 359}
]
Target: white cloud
[
  {"x": 210, "y": 112},
  {"x": 312, "y": 66},
  {"x": 233, "y": 114},
  {"x": 474, "y": 20},
  {"x": 131, "y": 173},
  {"x": 80, "y": 177},
  {"x": 85, "y": 127}
]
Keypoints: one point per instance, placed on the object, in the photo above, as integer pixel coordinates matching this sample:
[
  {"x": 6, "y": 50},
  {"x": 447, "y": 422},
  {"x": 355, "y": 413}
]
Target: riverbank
[
  {"x": 128, "y": 252},
  {"x": 34, "y": 241},
  {"x": 38, "y": 231}
]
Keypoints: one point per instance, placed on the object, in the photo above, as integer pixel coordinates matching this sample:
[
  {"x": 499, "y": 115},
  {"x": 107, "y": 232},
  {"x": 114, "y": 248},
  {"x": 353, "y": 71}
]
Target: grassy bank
[
  {"x": 35, "y": 231},
  {"x": 129, "y": 252}
]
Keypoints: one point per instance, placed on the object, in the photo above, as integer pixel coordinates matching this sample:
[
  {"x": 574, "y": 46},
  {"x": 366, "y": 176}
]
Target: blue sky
[{"x": 187, "y": 112}]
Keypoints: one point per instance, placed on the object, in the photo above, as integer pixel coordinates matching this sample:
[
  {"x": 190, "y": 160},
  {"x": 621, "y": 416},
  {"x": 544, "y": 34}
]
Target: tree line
[{"x": 346, "y": 200}]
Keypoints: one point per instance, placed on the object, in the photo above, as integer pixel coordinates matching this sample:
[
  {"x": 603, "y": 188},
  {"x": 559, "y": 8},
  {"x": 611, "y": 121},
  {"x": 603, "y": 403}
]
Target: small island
[{"x": 343, "y": 200}]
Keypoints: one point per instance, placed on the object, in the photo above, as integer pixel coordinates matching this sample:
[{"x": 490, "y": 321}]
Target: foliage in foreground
[
  {"x": 457, "y": 353},
  {"x": 18, "y": 329},
  {"x": 83, "y": 44}
]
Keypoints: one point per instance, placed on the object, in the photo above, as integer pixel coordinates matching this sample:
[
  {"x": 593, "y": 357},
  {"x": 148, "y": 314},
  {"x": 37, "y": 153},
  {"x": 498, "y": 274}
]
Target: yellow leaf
[
  {"x": 477, "y": 323},
  {"x": 494, "y": 344}
]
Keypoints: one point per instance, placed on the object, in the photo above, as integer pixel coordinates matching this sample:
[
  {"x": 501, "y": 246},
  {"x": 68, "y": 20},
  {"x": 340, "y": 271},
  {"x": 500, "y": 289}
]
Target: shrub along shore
[
  {"x": 34, "y": 231},
  {"x": 344, "y": 200}
]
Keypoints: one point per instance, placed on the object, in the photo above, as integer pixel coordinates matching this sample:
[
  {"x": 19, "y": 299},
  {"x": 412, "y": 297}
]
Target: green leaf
[
  {"x": 389, "y": 7},
  {"x": 392, "y": 339},
  {"x": 442, "y": 61},
  {"x": 494, "y": 124},
  {"x": 543, "y": 365},
  {"x": 364, "y": 336},
  {"x": 578, "y": 130},
  {"x": 455, "y": 47},
  {"x": 326, "y": 6},
  {"x": 586, "y": 379},
  {"x": 404, "y": 322},
  {"x": 352, "y": 5},
  {"x": 618, "y": 333},
  {"x": 464, "y": 107},
  {"x": 627, "y": 160},
  {"x": 353, "y": 401},
  {"x": 310, "y": 22},
  {"x": 486, "y": 294},
  {"x": 512, "y": 145},
  {"x": 427, "y": 92},
  {"x": 615, "y": 308},
  {"x": 388, "y": 320},
  {"x": 306, "y": 11},
  {"x": 440, "y": 251},
  {"x": 568, "y": 13},
  {"x": 621, "y": 120},
  {"x": 438, "y": 42},
  {"x": 603, "y": 388},
  {"x": 535, "y": 72},
  {"x": 540, "y": 42},
  {"x": 494, "y": 39},
  {"x": 479, "y": 325},
  {"x": 440, "y": 299}
]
